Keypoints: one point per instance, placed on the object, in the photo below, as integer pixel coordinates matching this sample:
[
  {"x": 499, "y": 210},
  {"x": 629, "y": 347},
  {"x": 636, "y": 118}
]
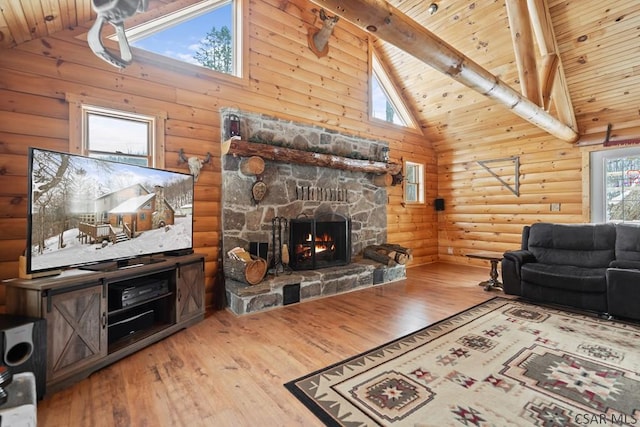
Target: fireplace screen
[{"x": 319, "y": 242}]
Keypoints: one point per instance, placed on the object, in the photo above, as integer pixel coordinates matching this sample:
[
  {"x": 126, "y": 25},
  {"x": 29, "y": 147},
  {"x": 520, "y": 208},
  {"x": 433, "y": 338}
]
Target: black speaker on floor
[
  {"x": 23, "y": 347},
  {"x": 439, "y": 204}
]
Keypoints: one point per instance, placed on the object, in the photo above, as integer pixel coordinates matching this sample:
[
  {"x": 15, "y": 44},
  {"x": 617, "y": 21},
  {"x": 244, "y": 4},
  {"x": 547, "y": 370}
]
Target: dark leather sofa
[{"x": 593, "y": 267}]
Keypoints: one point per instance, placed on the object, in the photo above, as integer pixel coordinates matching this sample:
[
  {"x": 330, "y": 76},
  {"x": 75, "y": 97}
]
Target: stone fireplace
[{"x": 352, "y": 207}]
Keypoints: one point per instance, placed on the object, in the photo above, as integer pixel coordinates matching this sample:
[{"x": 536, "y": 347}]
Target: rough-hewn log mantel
[{"x": 243, "y": 148}]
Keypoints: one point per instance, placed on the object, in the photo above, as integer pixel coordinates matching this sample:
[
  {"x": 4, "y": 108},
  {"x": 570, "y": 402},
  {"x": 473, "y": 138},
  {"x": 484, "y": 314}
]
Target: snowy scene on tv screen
[{"x": 86, "y": 210}]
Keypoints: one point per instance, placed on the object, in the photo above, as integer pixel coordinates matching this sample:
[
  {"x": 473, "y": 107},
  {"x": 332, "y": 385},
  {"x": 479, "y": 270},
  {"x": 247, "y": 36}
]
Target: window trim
[
  {"x": 389, "y": 88},
  {"x": 421, "y": 183},
  {"x": 77, "y": 106},
  {"x": 181, "y": 15},
  {"x": 597, "y": 198}
]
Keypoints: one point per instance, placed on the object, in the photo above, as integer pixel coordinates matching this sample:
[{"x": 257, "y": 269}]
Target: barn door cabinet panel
[
  {"x": 76, "y": 329},
  {"x": 95, "y": 318},
  {"x": 190, "y": 295}
]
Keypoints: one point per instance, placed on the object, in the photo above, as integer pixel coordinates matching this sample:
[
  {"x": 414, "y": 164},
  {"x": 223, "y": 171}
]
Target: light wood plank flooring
[{"x": 230, "y": 370}]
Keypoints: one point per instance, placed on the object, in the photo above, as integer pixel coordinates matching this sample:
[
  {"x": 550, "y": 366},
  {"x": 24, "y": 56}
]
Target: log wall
[
  {"x": 284, "y": 79},
  {"x": 482, "y": 214}
]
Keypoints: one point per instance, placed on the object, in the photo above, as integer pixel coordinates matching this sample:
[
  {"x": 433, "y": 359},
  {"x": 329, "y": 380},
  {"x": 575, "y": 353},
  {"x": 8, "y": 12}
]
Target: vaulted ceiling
[{"x": 598, "y": 45}]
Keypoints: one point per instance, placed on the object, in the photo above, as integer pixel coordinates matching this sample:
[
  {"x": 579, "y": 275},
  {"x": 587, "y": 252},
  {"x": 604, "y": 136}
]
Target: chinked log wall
[{"x": 331, "y": 91}]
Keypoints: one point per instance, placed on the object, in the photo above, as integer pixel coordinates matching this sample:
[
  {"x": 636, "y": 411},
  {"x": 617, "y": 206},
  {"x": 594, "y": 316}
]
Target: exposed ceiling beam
[
  {"x": 392, "y": 26},
  {"x": 553, "y": 78},
  {"x": 522, "y": 36}
]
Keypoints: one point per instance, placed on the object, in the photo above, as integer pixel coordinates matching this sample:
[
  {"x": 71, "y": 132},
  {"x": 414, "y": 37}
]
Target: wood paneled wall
[
  {"x": 284, "y": 79},
  {"x": 482, "y": 214}
]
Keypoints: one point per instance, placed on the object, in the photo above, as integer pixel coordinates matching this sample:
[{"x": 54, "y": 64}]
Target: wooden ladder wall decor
[{"x": 516, "y": 161}]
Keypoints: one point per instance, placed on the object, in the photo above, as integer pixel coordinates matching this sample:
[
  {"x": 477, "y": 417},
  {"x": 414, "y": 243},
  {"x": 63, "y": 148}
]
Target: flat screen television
[{"x": 85, "y": 211}]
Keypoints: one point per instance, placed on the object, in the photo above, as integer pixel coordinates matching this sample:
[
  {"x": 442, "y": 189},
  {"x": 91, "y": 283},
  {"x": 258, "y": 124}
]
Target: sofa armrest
[
  {"x": 512, "y": 262},
  {"x": 623, "y": 292},
  {"x": 634, "y": 265},
  {"x": 520, "y": 256}
]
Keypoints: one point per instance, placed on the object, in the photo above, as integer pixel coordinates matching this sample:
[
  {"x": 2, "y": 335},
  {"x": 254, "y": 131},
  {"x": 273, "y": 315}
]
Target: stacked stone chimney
[
  {"x": 295, "y": 191},
  {"x": 160, "y": 214}
]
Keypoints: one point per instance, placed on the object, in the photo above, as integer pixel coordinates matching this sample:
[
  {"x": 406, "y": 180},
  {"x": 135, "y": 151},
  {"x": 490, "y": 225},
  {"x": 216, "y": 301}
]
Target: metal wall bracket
[{"x": 516, "y": 160}]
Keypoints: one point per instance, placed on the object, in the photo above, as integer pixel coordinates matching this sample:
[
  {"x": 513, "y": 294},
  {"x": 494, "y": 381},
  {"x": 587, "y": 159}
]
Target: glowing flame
[{"x": 322, "y": 243}]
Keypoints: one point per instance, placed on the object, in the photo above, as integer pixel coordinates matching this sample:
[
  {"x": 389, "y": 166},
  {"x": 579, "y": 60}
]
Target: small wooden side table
[{"x": 494, "y": 258}]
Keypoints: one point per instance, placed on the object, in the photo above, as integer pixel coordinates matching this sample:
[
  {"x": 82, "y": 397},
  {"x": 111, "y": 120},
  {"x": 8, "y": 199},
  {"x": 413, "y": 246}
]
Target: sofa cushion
[
  {"x": 579, "y": 245},
  {"x": 567, "y": 277},
  {"x": 627, "y": 242}
]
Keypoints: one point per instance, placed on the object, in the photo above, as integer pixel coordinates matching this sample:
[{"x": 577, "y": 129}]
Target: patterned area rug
[{"x": 501, "y": 363}]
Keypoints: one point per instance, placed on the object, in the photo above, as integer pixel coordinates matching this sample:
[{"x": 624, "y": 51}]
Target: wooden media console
[{"x": 95, "y": 318}]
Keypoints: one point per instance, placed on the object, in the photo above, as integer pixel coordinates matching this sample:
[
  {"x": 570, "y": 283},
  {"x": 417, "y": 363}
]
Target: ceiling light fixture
[{"x": 433, "y": 8}]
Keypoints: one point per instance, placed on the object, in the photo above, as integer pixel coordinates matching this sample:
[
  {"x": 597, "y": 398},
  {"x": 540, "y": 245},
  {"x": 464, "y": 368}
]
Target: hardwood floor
[{"x": 230, "y": 370}]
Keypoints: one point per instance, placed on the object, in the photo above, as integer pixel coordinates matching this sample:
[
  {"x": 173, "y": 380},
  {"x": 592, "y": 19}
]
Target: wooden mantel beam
[
  {"x": 238, "y": 147},
  {"x": 391, "y": 25}
]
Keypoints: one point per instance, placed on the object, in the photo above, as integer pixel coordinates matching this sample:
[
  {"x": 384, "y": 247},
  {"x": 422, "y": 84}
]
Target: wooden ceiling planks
[
  {"x": 68, "y": 14},
  {"x": 6, "y": 39},
  {"x": 84, "y": 12},
  {"x": 600, "y": 51},
  {"x": 34, "y": 17},
  {"x": 17, "y": 27},
  {"x": 598, "y": 43},
  {"x": 53, "y": 12}
]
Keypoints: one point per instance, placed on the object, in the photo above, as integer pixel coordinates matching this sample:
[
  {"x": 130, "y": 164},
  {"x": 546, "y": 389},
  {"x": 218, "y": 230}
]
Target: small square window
[
  {"x": 114, "y": 131},
  {"x": 414, "y": 182},
  {"x": 118, "y": 136}
]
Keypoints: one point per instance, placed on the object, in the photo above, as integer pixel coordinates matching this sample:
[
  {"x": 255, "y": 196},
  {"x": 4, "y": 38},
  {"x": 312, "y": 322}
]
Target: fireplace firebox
[{"x": 320, "y": 242}]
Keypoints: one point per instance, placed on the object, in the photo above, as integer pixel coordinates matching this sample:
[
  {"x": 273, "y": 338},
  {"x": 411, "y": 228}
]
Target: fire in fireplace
[{"x": 319, "y": 242}]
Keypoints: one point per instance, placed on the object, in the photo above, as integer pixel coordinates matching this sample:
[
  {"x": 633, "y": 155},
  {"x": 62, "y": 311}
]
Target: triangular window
[
  {"x": 386, "y": 104},
  {"x": 206, "y": 34}
]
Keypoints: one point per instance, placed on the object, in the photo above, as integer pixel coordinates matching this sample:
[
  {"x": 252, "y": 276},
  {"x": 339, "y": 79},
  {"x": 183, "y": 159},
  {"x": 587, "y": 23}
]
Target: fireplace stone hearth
[{"x": 268, "y": 294}]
